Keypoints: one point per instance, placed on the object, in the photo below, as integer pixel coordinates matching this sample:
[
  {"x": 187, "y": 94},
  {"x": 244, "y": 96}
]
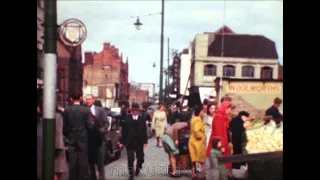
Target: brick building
[
  {"x": 149, "y": 87},
  {"x": 69, "y": 62},
  {"x": 69, "y": 72},
  {"x": 138, "y": 95},
  {"x": 105, "y": 75},
  {"x": 40, "y": 41}
]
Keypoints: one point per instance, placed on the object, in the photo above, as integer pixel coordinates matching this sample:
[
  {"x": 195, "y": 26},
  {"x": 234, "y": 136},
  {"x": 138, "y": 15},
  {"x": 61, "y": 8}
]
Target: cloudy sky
[{"x": 112, "y": 21}]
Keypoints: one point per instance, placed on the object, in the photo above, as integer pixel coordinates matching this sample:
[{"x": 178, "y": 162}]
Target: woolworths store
[{"x": 252, "y": 95}]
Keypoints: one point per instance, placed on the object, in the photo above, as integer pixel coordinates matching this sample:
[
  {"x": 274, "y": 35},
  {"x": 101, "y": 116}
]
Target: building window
[
  {"x": 229, "y": 71},
  {"x": 210, "y": 70},
  {"x": 266, "y": 72},
  {"x": 248, "y": 71},
  {"x": 60, "y": 97}
]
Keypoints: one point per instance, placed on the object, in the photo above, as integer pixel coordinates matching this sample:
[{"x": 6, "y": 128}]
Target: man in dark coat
[
  {"x": 238, "y": 135},
  {"x": 274, "y": 109},
  {"x": 97, "y": 138},
  {"x": 77, "y": 122},
  {"x": 134, "y": 138},
  {"x": 173, "y": 115}
]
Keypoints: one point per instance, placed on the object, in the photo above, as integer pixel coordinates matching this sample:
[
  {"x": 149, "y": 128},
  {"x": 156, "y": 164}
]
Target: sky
[{"x": 112, "y": 21}]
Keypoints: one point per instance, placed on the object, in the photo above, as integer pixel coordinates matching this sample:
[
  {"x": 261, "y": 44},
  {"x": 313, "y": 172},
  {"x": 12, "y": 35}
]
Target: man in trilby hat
[{"x": 134, "y": 137}]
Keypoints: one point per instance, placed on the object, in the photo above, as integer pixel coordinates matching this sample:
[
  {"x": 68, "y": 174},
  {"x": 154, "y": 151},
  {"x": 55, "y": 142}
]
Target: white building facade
[
  {"x": 244, "y": 57},
  {"x": 95, "y": 90},
  {"x": 185, "y": 66},
  {"x": 209, "y": 65}
]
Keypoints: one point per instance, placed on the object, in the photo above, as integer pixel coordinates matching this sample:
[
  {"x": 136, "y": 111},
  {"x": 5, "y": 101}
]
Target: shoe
[
  {"x": 130, "y": 178},
  {"x": 137, "y": 172},
  {"x": 175, "y": 175}
]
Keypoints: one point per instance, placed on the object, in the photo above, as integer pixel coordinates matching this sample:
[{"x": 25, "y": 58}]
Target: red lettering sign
[{"x": 254, "y": 88}]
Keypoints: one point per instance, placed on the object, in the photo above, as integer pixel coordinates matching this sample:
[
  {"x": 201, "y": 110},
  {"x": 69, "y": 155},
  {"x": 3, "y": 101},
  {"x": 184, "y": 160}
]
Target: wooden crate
[{"x": 183, "y": 162}]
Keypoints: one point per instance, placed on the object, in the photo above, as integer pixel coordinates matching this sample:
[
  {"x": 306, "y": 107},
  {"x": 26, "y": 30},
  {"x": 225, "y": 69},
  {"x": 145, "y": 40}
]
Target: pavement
[{"x": 154, "y": 167}]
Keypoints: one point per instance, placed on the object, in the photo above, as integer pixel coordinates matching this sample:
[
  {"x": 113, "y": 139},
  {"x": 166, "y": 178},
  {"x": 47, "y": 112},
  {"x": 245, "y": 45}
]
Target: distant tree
[{"x": 175, "y": 53}]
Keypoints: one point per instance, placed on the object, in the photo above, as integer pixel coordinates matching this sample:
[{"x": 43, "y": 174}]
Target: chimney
[
  {"x": 106, "y": 45},
  {"x": 117, "y": 51},
  {"x": 88, "y": 58},
  {"x": 94, "y": 53}
]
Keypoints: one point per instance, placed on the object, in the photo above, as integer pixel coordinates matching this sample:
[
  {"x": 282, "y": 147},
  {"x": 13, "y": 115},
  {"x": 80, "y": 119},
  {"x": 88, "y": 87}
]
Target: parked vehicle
[{"x": 112, "y": 148}]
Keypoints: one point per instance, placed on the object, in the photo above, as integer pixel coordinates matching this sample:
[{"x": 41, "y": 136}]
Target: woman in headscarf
[{"x": 220, "y": 125}]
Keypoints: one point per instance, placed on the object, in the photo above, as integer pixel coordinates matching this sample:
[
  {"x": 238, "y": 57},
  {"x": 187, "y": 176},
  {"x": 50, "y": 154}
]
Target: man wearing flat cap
[{"x": 134, "y": 137}]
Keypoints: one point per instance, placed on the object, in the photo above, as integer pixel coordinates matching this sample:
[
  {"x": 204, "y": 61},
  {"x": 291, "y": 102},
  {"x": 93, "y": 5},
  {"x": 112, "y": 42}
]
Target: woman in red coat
[{"x": 219, "y": 129}]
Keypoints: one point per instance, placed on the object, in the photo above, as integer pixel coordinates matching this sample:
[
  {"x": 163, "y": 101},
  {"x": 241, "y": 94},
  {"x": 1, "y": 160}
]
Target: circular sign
[{"x": 72, "y": 32}]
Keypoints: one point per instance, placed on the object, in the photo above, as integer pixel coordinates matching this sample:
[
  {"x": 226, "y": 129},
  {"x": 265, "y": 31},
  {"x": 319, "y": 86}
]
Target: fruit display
[{"x": 267, "y": 138}]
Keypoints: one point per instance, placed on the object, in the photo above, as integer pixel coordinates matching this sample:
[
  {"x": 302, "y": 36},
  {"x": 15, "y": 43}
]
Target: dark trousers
[
  {"x": 78, "y": 163},
  {"x": 138, "y": 149},
  {"x": 237, "y": 149},
  {"x": 96, "y": 159}
]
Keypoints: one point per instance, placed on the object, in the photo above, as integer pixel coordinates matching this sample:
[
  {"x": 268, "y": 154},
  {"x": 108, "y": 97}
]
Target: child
[{"x": 217, "y": 151}]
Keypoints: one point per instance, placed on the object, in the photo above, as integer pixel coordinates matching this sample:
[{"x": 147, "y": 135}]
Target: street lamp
[{"x": 138, "y": 24}]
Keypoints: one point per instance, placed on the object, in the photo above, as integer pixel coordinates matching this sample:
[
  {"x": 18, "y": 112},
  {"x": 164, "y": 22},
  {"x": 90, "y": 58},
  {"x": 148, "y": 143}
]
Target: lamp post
[
  {"x": 138, "y": 26},
  {"x": 161, "y": 53},
  {"x": 50, "y": 78}
]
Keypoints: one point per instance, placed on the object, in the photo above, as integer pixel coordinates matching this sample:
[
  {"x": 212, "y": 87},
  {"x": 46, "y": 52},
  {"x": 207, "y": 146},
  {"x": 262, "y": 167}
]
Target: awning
[{"x": 207, "y": 93}]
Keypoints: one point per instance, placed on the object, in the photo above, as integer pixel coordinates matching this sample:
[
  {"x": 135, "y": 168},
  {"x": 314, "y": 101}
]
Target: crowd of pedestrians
[
  {"x": 85, "y": 129},
  {"x": 213, "y": 133}
]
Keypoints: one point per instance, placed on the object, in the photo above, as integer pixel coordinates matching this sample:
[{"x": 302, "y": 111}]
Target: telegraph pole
[
  {"x": 49, "y": 99},
  {"x": 161, "y": 55},
  {"x": 168, "y": 60}
]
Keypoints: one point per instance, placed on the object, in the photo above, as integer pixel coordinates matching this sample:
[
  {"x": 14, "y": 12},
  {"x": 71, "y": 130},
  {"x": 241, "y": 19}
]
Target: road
[{"x": 154, "y": 167}]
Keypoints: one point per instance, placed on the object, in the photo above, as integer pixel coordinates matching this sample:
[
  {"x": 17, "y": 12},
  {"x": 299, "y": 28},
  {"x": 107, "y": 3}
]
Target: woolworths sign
[{"x": 253, "y": 87}]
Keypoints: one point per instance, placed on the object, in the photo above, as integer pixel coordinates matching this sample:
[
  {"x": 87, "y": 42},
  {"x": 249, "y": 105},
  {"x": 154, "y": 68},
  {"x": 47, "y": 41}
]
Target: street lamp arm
[{"x": 130, "y": 17}]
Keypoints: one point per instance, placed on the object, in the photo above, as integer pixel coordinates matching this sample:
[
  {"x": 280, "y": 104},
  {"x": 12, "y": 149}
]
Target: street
[
  {"x": 224, "y": 69},
  {"x": 154, "y": 167}
]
